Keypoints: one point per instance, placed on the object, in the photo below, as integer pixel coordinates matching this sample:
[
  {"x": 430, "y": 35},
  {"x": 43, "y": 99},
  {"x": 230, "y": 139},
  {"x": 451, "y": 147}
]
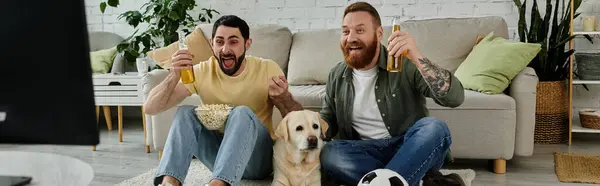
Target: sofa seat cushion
[
  {"x": 309, "y": 96},
  {"x": 477, "y": 101}
]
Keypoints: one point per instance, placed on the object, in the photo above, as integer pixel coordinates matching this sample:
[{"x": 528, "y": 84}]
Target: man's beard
[
  {"x": 364, "y": 56},
  {"x": 238, "y": 62}
]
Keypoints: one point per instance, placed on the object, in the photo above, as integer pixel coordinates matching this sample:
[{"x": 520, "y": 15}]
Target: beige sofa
[{"x": 493, "y": 127}]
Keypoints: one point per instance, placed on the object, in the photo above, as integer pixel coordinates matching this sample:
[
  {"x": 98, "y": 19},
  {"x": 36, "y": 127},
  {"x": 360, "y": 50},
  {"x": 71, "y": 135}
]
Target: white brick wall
[
  {"x": 301, "y": 15},
  {"x": 318, "y": 14}
]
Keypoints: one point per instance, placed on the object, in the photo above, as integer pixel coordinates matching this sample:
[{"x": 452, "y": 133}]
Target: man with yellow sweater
[{"x": 250, "y": 83}]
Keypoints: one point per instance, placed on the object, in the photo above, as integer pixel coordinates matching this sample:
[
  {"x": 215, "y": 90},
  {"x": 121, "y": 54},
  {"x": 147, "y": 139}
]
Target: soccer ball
[{"x": 382, "y": 177}]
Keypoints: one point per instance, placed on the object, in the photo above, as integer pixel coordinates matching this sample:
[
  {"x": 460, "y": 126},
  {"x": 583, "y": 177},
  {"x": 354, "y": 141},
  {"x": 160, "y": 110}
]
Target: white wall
[{"x": 301, "y": 15}]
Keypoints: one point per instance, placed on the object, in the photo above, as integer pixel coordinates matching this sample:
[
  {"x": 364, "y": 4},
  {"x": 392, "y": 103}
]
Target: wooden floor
[{"x": 114, "y": 162}]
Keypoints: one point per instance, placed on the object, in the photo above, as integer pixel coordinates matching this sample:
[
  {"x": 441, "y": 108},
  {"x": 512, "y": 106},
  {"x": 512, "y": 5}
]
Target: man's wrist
[
  {"x": 289, "y": 103},
  {"x": 415, "y": 55},
  {"x": 287, "y": 96},
  {"x": 285, "y": 103},
  {"x": 175, "y": 76},
  {"x": 283, "y": 98}
]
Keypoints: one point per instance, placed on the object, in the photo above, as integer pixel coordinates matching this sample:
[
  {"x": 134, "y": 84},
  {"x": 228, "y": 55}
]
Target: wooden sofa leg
[
  {"x": 159, "y": 154},
  {"x": 499, "y": 166}
]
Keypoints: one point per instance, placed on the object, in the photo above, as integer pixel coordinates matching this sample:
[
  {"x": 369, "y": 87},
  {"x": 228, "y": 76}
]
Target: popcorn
[{"x": 213, "y": 116}]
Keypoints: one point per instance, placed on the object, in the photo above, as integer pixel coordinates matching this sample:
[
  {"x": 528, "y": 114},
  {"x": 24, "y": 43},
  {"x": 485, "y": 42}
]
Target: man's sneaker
[{"x": 435, "y": 178}]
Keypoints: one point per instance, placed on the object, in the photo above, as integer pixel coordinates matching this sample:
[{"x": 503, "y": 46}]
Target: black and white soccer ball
[{"x": 382, "y": 177}]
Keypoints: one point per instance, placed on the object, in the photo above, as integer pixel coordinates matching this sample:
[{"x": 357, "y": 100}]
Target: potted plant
[
  {"x": 551, "y": 65},
  {"x": 164, "y": 18}
]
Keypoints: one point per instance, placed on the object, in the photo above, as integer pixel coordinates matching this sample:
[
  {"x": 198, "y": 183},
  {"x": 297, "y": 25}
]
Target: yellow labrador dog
[{"x": 296, "y": 151}]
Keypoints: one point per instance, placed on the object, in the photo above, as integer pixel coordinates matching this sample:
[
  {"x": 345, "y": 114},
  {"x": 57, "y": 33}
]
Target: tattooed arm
[
  {"x": 431, "y": 80},
  {"x": 437, "y": 78},
  {"x": 438, "y": 83}
]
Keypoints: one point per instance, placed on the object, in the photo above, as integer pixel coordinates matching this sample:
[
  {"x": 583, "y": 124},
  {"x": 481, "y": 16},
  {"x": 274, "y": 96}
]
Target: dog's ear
[
  {"x": 281, "y": 131},
  {"x": 324, "y": 125}
]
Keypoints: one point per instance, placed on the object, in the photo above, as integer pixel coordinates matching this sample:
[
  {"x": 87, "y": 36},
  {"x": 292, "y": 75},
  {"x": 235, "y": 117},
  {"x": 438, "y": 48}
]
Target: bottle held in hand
[
  {"x": 187, "y": 76},
  {"x": 395, "y": 64}
]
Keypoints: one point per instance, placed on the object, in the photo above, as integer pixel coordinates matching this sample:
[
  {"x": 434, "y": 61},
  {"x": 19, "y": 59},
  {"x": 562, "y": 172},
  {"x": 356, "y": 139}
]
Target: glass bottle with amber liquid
[
  {"x": 187, "y": 76},
  {"x": 394, "y": 64}
]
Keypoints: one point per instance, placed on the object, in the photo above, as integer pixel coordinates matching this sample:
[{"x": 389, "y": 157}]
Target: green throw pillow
[
  {"x": 494, "y": 62},
  {"x": 102, "y": 60}
]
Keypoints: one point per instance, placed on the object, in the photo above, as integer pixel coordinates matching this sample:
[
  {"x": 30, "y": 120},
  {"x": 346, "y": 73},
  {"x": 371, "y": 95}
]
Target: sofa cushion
[
  {"x": 269, "y": 41},
  {"x": 448, "y": 41},
  {"x": 309, "y": 96},
  {"x": 102, "y": 60},
  {"x": 103, "y": 40},
  {"x": 198, "y": 46},
  {"x": 445, "y": 41},
  {"x": 480, "y": 101},
  {"x": 312, "y": 55},
  {"x": 494, "y": 62}
]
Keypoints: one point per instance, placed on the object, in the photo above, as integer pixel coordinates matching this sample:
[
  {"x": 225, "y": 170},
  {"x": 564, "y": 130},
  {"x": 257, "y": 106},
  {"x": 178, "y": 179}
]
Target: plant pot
[
  {"x": 551, "y": 114},
  {"x": 588, "y": 66}
]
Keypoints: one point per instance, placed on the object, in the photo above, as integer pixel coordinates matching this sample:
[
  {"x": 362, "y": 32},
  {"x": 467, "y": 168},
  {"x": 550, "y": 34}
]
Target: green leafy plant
[
  {"x": 553, "y": 32},
  {"x": 164, "y": 18}
]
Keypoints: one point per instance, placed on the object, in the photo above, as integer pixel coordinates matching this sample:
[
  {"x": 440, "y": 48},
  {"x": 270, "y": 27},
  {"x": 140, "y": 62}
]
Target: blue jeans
[
  {"x": 245, "y": 151},
  {"x": 421, "y": 148}
]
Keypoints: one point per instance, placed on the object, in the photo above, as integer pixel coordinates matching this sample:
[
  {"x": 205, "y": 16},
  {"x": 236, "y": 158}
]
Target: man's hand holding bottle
[{"x": 181, "y": 60}]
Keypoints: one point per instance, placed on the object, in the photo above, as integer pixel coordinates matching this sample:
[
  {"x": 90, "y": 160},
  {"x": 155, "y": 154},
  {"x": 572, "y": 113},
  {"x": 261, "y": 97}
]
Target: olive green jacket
[{"x": 400, "y": 98}]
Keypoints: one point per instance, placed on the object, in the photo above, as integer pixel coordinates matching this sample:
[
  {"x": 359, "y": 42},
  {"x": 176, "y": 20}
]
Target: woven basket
[
  {"x": 551, "y": 97},
  {"x": 588, "y": 65},
  {"x": 589, "y": 118},
  {"x": 551, "y": 115}
]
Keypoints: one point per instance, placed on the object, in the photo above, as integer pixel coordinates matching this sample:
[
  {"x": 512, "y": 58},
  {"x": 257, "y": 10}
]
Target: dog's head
[{"x": 303, "y": 129}]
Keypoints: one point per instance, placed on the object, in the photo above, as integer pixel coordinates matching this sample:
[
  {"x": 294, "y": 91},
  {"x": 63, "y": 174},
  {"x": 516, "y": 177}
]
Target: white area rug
[{"x": 198, "y": 174}]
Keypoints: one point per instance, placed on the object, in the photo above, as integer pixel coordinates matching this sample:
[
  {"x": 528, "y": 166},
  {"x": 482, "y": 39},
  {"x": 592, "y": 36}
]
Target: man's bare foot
[
  {"x": 170, "y": 181},
  {"x": 217, "y": 182}
]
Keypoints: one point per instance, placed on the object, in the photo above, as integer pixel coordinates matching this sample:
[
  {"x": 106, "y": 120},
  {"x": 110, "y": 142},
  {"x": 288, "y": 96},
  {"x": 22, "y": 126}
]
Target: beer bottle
[
  {"x": 395, "y": 64},
  {"x": 187, "y": 76}
]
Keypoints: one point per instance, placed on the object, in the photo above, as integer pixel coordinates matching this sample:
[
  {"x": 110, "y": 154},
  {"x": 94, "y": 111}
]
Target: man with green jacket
[{"x": 378, "y": 118}]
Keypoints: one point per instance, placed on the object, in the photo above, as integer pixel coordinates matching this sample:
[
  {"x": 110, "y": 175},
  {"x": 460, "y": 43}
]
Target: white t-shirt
[{"x": 366, "y": 118}]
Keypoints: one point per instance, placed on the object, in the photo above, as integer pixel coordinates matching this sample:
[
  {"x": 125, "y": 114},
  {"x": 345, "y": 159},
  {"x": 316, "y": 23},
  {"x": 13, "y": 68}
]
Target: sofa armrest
[
  {"x": 149, "y": 81},
  {"x": 523, "y": 89},
  {"x": 152, "y": 79},
  {"x": 158, "y": 125}
]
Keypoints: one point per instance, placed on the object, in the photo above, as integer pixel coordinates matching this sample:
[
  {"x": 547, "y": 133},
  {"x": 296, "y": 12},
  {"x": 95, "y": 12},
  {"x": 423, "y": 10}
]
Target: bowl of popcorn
[{"x": 213, "y": 116}]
